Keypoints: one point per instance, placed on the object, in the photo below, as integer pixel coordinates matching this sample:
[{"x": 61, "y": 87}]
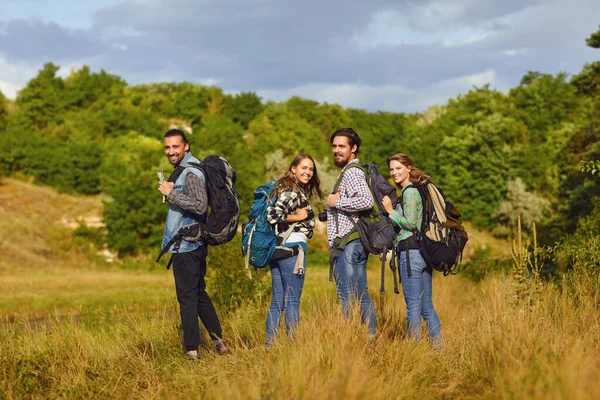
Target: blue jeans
[
  {"x": 286, "y": 289},
  {"x": 417, "y": 294},
  {"x": 350, "y": 275}
]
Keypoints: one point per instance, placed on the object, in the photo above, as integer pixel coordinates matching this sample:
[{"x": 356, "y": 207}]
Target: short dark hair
[
  {"x": 176, "y": 132},
  {"x": 352, "y": 136}
]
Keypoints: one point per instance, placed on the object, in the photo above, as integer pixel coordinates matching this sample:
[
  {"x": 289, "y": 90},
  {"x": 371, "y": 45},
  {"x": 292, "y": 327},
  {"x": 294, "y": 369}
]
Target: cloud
[
  {"x": 396, "y": 98},
  {"x": 14, "y": 76},
  {"x": 514, "y": 52},
  {"x": 37, "y": 41},
  {"x": 376, "y": 54}
]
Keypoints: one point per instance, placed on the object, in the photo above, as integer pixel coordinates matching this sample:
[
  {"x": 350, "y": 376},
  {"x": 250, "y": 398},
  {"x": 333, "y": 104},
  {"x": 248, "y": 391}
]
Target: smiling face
[
  {"x": 303, "y": 172},
  {"x": 175, "y": 149},
  {"x": 343, "y": 153},
  {"x": 400, "y": 173}
]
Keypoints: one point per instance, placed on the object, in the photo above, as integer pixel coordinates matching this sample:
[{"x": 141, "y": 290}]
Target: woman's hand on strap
[{"x": 387, "y": 204}]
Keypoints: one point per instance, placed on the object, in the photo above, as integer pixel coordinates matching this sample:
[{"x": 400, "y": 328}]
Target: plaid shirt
[
  {"x": 287, "y": 203},
  {"x": 355, "y": 196}
]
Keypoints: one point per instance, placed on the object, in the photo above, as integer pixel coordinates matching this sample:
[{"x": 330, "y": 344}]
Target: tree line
[{"x": 498, "y": 156}]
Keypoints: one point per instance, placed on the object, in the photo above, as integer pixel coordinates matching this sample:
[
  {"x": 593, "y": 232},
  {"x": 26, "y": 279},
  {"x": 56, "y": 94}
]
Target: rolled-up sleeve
[
  {"x": 406, "y": 216},
  {"x": 286, "y": 203}
]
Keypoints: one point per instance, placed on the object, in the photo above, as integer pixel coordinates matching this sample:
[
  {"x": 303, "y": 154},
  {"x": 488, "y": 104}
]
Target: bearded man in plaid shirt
[{"x": 348, "y": 257}]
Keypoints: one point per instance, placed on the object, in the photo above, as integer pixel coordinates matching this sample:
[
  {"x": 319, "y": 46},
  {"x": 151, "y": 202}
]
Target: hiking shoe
[
  {"x": 220, "y": 347},
  {"x": 190, "y": 356}
]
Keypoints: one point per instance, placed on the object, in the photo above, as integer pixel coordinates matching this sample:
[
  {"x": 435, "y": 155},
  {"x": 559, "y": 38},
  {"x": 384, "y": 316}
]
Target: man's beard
[{"x": 341, "y": 163}]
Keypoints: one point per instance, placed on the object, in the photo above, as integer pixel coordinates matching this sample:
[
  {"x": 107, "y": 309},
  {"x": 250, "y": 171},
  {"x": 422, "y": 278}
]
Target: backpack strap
[
  {"x": 185, "y": 233},
  {"x": 394, "y": 268},
  {"x": 299, "y": 266},
  {"x": 408, "y": 271},
  {"x": 346, "y": 168},
  {"x": 339, "y": 244},
  {"x": 383, "y": 260},
  {"x": 176, "y": 173},
  {"x": 285, "y": 235},
  {"x": 175, "y": 239}
]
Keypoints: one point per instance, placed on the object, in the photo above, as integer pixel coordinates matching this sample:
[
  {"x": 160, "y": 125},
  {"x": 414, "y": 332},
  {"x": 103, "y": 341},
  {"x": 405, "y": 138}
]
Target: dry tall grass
[
  {"x": 97, "y": 332},
  {"x": 495, "y": 347}
]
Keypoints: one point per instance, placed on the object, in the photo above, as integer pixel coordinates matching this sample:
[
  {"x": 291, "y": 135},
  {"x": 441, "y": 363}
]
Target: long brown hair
[
  {"x": 288, "y": 180},
  {"x": 416, "y": 176}
]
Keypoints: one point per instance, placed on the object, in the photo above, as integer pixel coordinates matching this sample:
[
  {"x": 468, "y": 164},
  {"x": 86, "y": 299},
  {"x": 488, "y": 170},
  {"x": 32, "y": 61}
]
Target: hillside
[{"x": 42, "y": 270}]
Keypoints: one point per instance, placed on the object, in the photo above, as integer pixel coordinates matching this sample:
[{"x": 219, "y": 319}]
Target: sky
[{"x": 389, "y": 55}]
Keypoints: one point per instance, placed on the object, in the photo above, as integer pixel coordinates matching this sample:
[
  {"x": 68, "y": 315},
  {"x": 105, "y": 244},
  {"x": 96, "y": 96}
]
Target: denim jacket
[{"x": 176, "y": 216}]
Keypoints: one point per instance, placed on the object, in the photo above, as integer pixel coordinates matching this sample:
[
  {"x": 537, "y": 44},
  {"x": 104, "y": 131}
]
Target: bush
[
  {"x": 227, "y": 281},
  {"x": 480, "y": 265}
]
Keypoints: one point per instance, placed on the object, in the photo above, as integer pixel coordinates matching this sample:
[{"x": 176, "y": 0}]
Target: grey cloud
[
  {"x": 452, "y": 14},
  {"x": 36, "y": 41},
  {"x": 275, "y": 46}
]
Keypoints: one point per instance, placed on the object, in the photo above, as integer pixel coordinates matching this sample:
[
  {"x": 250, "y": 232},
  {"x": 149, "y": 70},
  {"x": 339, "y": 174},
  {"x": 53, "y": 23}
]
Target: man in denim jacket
[
  {"x": 187, "y": 198},
  {"x": 349, "y": 257}
]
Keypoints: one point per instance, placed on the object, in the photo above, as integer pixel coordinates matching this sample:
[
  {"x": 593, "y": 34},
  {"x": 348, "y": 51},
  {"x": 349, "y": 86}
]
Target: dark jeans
[{"x": 189, "y": 270}]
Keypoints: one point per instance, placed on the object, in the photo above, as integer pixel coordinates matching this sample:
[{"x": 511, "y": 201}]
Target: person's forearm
[
  {"x": 354, "y": 204},
  {"x": 292, "y": 218},
  {"x": 194, "y": 199},
  {"x": 357, "y": 196},
  {"x": 399, "y": 219}
]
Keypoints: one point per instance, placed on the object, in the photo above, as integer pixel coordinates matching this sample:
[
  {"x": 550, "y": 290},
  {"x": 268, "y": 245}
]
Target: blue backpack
[
  {"x": 260, "y": 243},
  {"x": 259, "y": 238}
]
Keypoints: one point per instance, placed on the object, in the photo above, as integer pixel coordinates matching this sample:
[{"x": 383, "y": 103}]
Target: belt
[{"x": 410, "y": 243}]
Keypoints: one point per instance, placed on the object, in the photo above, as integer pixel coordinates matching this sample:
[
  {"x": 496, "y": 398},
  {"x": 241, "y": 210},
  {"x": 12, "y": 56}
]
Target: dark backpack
[
  {"x": 259, "y": 238},
  {"x": 374, "y": 226},
  {"x": 224, "y": 208},
  {"x": 441, "y": 237},
  {"x": 220, "y": 223}
]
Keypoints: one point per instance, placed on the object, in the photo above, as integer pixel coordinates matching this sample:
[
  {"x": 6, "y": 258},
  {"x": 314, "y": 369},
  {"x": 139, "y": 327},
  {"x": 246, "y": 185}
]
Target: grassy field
[{"x": 75, "y": 328}]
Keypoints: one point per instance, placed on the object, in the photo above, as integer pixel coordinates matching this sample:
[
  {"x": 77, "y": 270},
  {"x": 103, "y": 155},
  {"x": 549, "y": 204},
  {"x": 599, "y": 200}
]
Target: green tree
[
  {"x": 135, "y": 215},
  {"x": 544, "y": 102},
  {"x": 594, "y": 40},
  {"x": 243, "y": 108},
  {"x": 331, "y": 118},
  {"x": 473, "y": 168},
  {"x": 520, "y": 204},
  {"x": 85, "y": 155},
  {"x": 304, "y": 108},
  {"x": 472, "y": 107},
  {"x": 573, "y": 196},
  {"x": 40, "y": 99},
  {"x": 382, "y": 134},
  {"x": 220, "y": 135},
  {"x": 279, "y": 128},
  {"x": 82, "y": 88},
  {"x": 118, "y": 117},
  {"x": 216, "y": 104},
  {"x": 190, "y": 101},
  {"x": 3, "y": 111},
  {"x": 587, "y": 81}
]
